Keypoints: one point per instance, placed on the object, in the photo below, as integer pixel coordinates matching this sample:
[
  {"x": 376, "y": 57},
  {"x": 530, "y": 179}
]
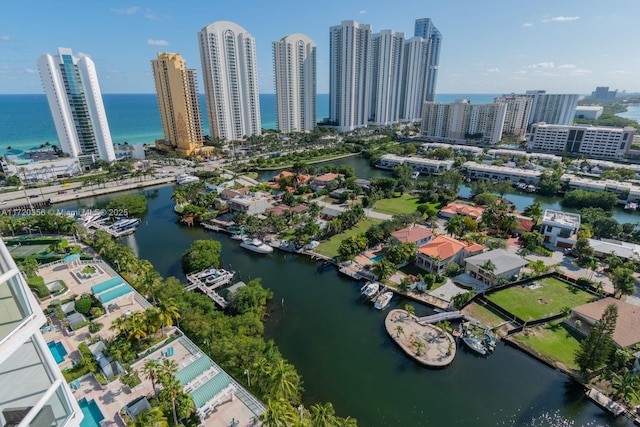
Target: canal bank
[{"x": 340, "y": 347}]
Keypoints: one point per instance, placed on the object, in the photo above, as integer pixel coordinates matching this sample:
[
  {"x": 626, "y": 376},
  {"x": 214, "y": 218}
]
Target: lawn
[
  {"x": 483, "y": 315},
  {"x": 552, "y": 342},
  {"x": 330, "y": 247},
  {"x": 540, "y": 299},
  {"x": 404, "y": 204}
]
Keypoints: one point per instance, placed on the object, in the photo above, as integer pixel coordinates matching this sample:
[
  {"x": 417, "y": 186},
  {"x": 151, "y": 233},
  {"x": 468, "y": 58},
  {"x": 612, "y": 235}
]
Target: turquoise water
[
  {"x": 91, "y": 412},
  {"x": 114, "y": 293},
  {"x": 106, "y": 285},
  {"x": 57, "y": 350},
  {"x": 376, "y": 258}
]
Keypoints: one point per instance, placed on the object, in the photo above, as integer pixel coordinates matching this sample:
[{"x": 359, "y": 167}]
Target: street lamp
[{"x": 246, "y": 372}]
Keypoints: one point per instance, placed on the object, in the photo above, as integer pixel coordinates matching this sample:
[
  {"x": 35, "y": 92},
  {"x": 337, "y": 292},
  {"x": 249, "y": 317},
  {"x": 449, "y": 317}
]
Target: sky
[{"x": 488, "y": 46}]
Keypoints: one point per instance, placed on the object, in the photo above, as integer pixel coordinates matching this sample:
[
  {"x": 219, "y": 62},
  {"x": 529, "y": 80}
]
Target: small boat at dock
[
  {"x": 370, "y": 289},
  {"x": 475, "y": 344},
  {"x": 383, "y": 300},
  {"x": 256, "y": 245}
]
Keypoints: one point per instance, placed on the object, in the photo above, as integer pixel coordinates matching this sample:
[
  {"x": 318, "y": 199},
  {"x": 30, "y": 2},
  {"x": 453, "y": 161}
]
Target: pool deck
[
  {"x": 439, "y": 347},
  {"x": 114, "y": 396}
]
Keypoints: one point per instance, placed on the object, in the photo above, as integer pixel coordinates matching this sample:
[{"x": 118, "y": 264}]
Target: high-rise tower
[
  {"x": 424, "y": 28},
  {"x": 33, "y": 391},
  {"x": 386, "y": 77},
  {"x": 177, "y": 92},
  {"x": 415, "y": 56},
  {"x": 349, "y": 75},
  {"x": 75, "y": 101},
  {"x": 294, "y": 66},
  {"x": 230, "y": 75}
]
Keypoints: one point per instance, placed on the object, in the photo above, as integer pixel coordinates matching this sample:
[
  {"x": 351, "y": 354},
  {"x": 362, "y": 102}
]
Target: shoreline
[{"x": 313, "y": 162}]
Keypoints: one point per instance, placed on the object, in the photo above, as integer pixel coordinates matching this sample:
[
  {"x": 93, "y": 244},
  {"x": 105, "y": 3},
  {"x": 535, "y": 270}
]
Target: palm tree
[
  {"x": 151, "y": 418},
  {"x": 383, "y": 269},
  {"x": 283, "y": 381},
  {"x": 323, "y": 415},
  {"x": 399, "y": 331},
  {"x": 419, "y": 346},
  {"x": 455, "y": 226},
  {"x": 168, "y": 311},
  {"x": 170, "y": 389},
  {"x": 626, "y": 385},
  {"x": 184, "y": 405},
  {"x": 410, "y": 309},
  {"x": 136, "y": 325},
  {"x": 120, "y": 325},
  {"x": 150, "y": 370},
  {"x": 277, "y": 413}
]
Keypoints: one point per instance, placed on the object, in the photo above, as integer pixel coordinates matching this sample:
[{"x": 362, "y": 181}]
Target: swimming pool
[
  {"x": 91, "y": 412},
  {"x": 58, "y": 350},
  {"x": 376, "y": 258}
]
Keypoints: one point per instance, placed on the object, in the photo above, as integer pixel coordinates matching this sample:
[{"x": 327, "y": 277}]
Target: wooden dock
[
  {"x": 206, "y": 281},
  {"x": 605, "y": 402}
]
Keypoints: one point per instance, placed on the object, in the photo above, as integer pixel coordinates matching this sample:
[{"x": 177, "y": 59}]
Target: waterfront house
[
  {"x": 560, "y": 228},
  {"x": 320, "y": 182},
  {"x": 490, "y": 266},
  {"x": 625, "y": 250},
  {"x": 627, "y": 331},
  {"x": 281, "y": 209},
  {"x": 453, "y": 209},
  {"x": 435, "y": 255},
  {"x": 416, "y": 234},
  {"x": 250, "y": 203}
]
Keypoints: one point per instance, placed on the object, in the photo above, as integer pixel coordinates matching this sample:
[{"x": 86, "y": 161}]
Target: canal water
[{"x": 339, "y": 346}]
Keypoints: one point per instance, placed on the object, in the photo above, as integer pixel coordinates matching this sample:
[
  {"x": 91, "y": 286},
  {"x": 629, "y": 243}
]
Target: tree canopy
[{"x": 202, "y": 254}]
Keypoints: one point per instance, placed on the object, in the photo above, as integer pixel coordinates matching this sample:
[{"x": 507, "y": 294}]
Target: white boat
[
  {"x": 185, "y": 178},
  {"x": 256, "y": 245},
  {"x": 370, "y": 289},
  {"x": 631, "y": 206},
  {"x": 475, "y": 344},
  {"x": 124, "y": 224},
  {"x": 415, "y": 174},
  {"x": 383, "y": 300},
  {"x": 238, "y": 236}
]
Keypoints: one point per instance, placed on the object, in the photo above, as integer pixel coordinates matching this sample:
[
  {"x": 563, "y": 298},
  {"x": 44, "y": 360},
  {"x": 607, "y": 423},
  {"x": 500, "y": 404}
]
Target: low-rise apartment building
[
  {"x": 477, "y": 171},
  {"x": 418, "y": 164},
  {"x": 560, "y": 228}
]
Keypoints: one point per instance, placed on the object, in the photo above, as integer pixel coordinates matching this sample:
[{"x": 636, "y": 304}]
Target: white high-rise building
[
  {"x": 33, "y": 391},
  {"x": 517, "y": 115},
  {"x": 424, "y": 28},
  {"x": 463, "y": 122},
  {"x": 294, "y": 64},
  {"x": 230, "y": 75},
  {"x": 415, "y": 64},
  {"x": 386, "y": 77},
  {"x": 75, "y": 101},
  {"x": 557, "y": 109},
  {"x": 349, "y": 75}
]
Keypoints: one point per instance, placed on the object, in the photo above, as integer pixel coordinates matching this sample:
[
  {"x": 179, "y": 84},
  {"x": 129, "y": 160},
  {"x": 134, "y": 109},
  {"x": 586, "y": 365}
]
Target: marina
[{"x": 208, "y": 280}]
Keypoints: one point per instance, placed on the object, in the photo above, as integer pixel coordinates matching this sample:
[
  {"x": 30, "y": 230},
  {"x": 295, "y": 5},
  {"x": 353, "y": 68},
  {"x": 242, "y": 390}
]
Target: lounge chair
[
  {"x": 170, "y": 351},
  {"x": 77, "y": 384}
]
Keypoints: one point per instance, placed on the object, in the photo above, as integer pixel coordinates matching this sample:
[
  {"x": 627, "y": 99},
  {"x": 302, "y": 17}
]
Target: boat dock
[
  {"x": 605, "y": 402},
  {"x": 101, "y": 224},
  {"x": 439, "y": 317},
  {"x": 208, "y": 280}
]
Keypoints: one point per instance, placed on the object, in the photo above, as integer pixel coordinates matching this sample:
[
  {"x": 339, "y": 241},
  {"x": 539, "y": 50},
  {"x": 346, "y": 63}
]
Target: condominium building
[
  {"x": 415, "y": 67},
  {"x": 424, "y": 28},
  {"x": 557, "y": 109},
  {"x": 603, "y": 93},
  {"x": 478, "y": 171},
  {"x": 177, "y": 92},
  {"x": 418, "y": 164},
  {"x": 349, "y": 75},
  {"x": 230, "y": 75},
  {"x": 463, "y": 122},
  {"x": 73, "y": 92},
  {"x": 294, "y": 65},
  {"x": 592, "y": 141},
  {"x": 33, "y": 391},
  {"x": 517, "y": 115},
  {"x": 386, "y": 77}
]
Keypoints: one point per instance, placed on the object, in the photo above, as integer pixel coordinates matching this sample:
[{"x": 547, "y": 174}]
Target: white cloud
[
  {"x": 152, "y": 16},
  {"x": 153, "y": 42},
  {"x": 566, "y": 66},
  {"x": 493, "y": 70},
  {"x": 125, "y": 11},
  {"x": 542, "y": 65},
  {"x": 31, "y": 71},
  {"x": 80, "y": 54},
  {"x": 4, "y": 38},
  {"x": 580, "y": 72},
  {"x": 363, "y": 12},
  {"x": 520, "y": 72},
  {"x": 618, "y": 72},
  {"x": 527, "y": 25},
  {"x": 561, "y": 19}
]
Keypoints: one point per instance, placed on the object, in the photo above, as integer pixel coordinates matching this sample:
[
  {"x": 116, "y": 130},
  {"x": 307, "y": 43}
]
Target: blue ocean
[{"x": 25, "y": 120}]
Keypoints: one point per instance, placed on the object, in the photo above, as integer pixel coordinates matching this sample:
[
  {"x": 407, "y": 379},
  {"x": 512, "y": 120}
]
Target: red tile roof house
[
  {"x": 627, "y": 332},
  {"x": 281, "y": 209},
  {"x": 453, "y": 209},
  {"x": 417, "y": 234},
  {"x": 321, "y": 181},
  {"x": 435, "y": 255},
  {"x": 302, "y": 178}
]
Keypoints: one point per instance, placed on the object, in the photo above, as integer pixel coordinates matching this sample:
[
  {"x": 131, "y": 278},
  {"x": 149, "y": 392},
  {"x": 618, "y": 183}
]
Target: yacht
[
  {"x": 256, "y": 245},
  {"x": 185, "y": 178},
  {"x": 475, "y": 344},
  {"x": 124, "y": 224},
  {"x": 370, "y": 289},
  {"x": 383, "y": 300}
]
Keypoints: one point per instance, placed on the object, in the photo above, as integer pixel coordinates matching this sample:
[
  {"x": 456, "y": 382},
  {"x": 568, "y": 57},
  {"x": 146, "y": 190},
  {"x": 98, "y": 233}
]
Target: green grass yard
[
  {"x": 536, "y": 302},
  {"x": 407, "y": 203},
  {"x": 330, "y": 247},
  {"x": 484, "y": 315},
  {"x": 552, "y": 342}
]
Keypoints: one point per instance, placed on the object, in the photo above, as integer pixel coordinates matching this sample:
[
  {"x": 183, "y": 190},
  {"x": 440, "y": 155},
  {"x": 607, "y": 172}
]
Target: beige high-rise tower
[{"x": 179, "y": 106}]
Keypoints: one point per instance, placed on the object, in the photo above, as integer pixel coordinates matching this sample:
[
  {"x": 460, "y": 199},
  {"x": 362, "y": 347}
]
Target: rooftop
[
  {"x": 444, "y": 247},
  {"x": 412, "y": 234},
  {"x": 501, "y": 259},
  {"x": 627, "y": 332},
  {"x": 561, "y": 218}
]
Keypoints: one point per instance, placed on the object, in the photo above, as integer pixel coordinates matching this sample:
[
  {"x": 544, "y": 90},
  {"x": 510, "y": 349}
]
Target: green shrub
[
  {"x": 37, "y": 285},
  {"x": 584, "y": 282},
  {"x": 83, "y": 305}
]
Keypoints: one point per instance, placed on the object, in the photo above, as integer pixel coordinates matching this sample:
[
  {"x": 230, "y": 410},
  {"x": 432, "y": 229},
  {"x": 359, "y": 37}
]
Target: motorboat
[
  {"x": 185, "y": 178},
  {"x": 383, "y": 300},
  {"x": 475, "y": 344},
  {"x": 256, "y": 245},
  {"x": 370, "y": 289},
  {"x": 238, "y": 236},
  {"x": 631, "y": 206},
  {"x": 125, "y": 224},
  {"x": 415, "y": 175}
]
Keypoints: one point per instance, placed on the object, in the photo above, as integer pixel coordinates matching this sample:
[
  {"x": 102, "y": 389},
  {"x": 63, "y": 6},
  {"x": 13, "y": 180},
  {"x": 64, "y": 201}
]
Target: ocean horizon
[{"x": 26, "y": 123}]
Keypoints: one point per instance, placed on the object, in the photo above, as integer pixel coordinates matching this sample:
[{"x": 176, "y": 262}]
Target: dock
[
  {"x": 605, "y": 402},
  {"x": 209, "y": 279}
]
